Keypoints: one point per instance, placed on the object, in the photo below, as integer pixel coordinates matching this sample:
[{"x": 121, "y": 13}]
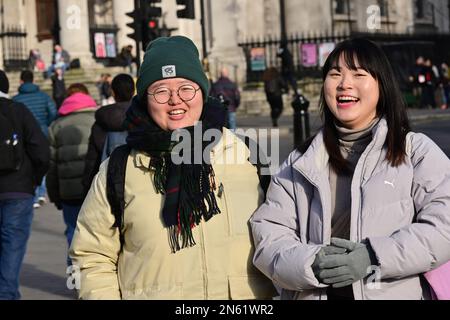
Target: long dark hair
[{"x": 391, "y": 106}]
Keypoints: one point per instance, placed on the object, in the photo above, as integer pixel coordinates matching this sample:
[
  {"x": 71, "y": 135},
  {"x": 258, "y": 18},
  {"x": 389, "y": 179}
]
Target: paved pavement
[
  {"x": 43, "y": 272},
  {"x": 43, "y": 275},
  {"x": 286, "y": 121}
]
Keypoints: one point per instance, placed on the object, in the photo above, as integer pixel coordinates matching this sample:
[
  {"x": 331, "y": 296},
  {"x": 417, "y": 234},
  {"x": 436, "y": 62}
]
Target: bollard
[{"x": 301, "y": 119}]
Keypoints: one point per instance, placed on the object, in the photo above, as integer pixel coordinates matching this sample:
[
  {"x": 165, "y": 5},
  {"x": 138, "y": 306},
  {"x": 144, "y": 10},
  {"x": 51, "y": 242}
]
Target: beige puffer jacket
[{"x": 219, "y": 266}]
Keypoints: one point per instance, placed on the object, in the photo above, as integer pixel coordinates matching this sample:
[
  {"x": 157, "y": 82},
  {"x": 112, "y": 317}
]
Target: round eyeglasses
[{"x": 185, "y": 93}]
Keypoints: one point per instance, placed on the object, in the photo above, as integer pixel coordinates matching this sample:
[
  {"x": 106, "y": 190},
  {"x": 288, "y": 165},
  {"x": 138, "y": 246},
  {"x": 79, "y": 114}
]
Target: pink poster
[
  {"x": 309, "y": 54},
  {"x": 99, "y": 42},
  {"x": 325, "y": 50}
]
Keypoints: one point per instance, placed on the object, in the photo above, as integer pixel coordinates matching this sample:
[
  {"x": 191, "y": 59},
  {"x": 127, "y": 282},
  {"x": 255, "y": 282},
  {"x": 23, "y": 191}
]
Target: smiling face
[
  {"x": 175, "y": 113},
  {"x": 351, "y": 95}
]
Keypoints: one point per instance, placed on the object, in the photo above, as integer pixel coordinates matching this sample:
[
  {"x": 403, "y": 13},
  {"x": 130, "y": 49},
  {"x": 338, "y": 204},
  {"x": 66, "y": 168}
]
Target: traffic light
[
  {"x": 149, "y": 9},
  {"x": 135, "y": 25},
  {"x": 150, "y": 32},
  {"x": 188, "y": 12},
  {"x": 150, "y": 27}
]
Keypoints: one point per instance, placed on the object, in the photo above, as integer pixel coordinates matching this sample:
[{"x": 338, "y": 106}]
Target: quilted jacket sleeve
[
  {"x": 96, "y": 245},
  {"x": 279, "y": 253},
  {"x": 425, "y": 244}
]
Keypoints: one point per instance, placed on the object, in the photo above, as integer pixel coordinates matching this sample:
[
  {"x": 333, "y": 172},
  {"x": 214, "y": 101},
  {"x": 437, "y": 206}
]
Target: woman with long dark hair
[{"x": 363, "y": 209}]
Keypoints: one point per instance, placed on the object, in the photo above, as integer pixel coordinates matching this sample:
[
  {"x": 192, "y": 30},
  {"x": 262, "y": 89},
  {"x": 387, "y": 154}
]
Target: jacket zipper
[
  {"x": 321, "y": 199},
  {"x": 359, "y": 219},
  {"x": 221, "y": 194},
  {"x": 205, "y": 268}
]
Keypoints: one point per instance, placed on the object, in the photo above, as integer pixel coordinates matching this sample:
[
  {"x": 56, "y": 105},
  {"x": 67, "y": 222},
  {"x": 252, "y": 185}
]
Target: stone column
[
  {"x": 74, "y": 33},
  {"x": 120, "y": 8},
  {"x": 225, "y": 51}
]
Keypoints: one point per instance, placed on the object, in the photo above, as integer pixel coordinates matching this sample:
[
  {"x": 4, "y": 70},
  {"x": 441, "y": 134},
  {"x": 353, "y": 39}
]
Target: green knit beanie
[{"x": 171, "y": 57}]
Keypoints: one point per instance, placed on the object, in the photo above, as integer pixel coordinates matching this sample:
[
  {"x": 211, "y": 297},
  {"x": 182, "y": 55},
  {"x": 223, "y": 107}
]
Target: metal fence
[
  {"x": 15, "y": 53},
  {"x": 401, "y": 49},
  {"x": 261, "y": 53}
]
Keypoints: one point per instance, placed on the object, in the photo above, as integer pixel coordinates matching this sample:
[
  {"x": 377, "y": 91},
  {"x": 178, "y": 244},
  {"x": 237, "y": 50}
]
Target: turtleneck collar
[{"x": 352, "y": 135}]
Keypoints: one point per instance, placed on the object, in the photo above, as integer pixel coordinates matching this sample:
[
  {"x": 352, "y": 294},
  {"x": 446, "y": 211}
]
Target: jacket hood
[
  {"x": 111, "y": 117},
  {"x": 28, "y": 88},
  {"x": 75, "y": 102}
]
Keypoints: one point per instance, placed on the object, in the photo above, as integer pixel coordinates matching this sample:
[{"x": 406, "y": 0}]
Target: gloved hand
[
  {"x": 340, "y": 270},
  {"x": 324, "y": 251}
]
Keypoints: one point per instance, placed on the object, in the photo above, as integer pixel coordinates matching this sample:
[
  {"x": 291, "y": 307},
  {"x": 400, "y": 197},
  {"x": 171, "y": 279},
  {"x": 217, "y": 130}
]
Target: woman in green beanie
[{"x": 183, "y": 232}]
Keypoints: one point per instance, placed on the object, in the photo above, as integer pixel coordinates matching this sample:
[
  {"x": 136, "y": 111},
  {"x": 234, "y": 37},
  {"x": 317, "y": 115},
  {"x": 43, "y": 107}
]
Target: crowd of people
[
  {"x": 431, "y": 84},
  {"x": 365, "y": 198}
]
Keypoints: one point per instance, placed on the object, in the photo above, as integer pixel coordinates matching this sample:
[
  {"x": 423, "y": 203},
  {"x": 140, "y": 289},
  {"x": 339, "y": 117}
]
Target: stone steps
[
  {"x": 253, "y": 100},
  {"x": 88, "y": 77}
]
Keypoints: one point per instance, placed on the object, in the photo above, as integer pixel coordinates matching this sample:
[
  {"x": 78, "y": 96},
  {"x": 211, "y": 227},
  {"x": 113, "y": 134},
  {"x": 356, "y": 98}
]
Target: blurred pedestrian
[
  {"x": 429, "y": 84},
  {"x": 183, "y": 232},
  {"x": 107, "y": 119},
  {"x": 273, "y": 87},
  {"x": 58, "y": 87},
  {"x": 104, "y": 87},
  {"x": 288, "y": 68},
  {"x": 60, "y": 59},
  {"x": 417, "y": 79},
  {"x": 228, "y": 92},
  {"x": 445, "y": 85},
  {"x": 362, "y": 210},
  {"x": 126, "y": 58},
  {"x": 24, "y": 160},
  {"x": 35, "y": 62},
  {"x": 69, "y": 138},
  {"x": 43, "y": 109}
]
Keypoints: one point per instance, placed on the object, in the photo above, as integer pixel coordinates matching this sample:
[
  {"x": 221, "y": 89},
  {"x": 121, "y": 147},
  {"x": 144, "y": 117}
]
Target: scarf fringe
[{"x": 197, "y": 201}]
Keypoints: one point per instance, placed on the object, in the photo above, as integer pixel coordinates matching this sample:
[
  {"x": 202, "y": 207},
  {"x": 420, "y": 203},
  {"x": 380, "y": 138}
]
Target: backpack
[
  {"x": 113, "y": 140},
  {"x": 11, "y": 149},
  {"x": 115, "y": 179}
]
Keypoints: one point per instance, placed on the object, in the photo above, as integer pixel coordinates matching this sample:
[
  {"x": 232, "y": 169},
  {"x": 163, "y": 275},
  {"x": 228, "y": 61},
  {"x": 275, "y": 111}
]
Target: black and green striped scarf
[{"x": 188, "y": 188}]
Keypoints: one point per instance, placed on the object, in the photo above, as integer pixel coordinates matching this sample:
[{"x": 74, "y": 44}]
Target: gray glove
[
  {"x": 340, "y": 270},
  {"x": 324, "y": 251}
]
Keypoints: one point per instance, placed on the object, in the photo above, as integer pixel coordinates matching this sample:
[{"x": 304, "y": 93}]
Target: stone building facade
[{"x": 73, "y": 23}]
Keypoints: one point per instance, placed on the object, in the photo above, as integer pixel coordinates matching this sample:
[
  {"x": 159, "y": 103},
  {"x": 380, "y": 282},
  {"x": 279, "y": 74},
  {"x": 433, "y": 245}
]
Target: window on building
[
  {"x": 341, "y": 6},
  {"x": 46, "y": 14},
  {"x": 420, "y": 9},
  {"x": 383, "y": 7}
]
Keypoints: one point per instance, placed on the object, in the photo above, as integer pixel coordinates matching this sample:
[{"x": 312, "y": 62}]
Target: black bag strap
[
  {"x": 115, "y": 184},
  {"x": 260, "y": 163},
  {"x": 8, "y": 112}
]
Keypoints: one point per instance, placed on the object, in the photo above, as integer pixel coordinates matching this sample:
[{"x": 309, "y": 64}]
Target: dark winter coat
[
  {"x": 230, "y": 92},
  {"x": 107, "y": 118},
  {"x": 38, "y": 102},
  {"x": 36, "y": 152}
]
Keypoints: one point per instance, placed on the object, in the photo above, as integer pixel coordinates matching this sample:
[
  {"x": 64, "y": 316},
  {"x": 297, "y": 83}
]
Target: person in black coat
[
  {"x": 108, "y": 118},
  {"x": 273, "y": 87},
  {"x": 17, "y": 185},
  {"x": 59, "y": 92}
]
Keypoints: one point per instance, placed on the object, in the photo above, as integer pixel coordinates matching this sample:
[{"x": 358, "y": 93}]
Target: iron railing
[
  {"x": 15, "y": 53},
  {"x": 402, "y": 49}
]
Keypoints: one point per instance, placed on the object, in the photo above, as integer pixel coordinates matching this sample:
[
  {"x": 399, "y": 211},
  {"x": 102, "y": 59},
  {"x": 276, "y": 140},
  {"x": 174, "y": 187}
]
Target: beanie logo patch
[{"x": 169, "y": 71}]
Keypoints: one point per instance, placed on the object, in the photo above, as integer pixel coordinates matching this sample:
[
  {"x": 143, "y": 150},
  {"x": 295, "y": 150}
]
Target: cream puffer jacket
[{"x": 219, "y": 266}]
